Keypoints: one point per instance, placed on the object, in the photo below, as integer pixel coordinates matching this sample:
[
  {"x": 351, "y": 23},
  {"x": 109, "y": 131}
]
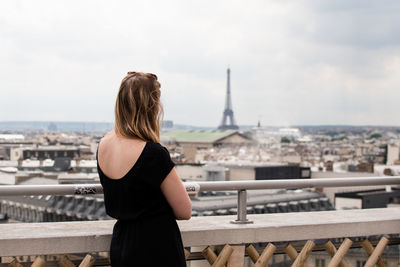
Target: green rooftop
[{"x": 195, "y": 136}]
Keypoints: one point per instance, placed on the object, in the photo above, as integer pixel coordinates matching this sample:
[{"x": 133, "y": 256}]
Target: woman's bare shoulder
[
  {"x": 114, "y": 142},
  {"x": 108, "y": 136},
  {"x": 106, "y": 139}
]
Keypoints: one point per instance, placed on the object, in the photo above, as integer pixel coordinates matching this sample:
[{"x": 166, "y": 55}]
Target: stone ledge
[{"x": 94, "y": 236}]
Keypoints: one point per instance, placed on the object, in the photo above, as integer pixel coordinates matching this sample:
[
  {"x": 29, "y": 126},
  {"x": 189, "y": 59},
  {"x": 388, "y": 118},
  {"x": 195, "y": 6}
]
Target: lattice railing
[
  {"x": 234, "y": 255},
  {"x": 64, "y": 261}
]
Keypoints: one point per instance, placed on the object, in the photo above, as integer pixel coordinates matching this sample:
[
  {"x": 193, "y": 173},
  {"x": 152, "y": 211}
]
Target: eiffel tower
[{"x": 228, "y": 112}]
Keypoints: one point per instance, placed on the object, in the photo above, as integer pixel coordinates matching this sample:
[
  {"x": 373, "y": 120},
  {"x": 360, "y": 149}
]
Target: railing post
[{"x": 242, "y": 208}]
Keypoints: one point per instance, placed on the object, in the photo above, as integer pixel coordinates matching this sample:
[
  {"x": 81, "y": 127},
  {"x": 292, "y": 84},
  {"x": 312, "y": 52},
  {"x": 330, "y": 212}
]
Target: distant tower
[{"x": 228, "y": 112}]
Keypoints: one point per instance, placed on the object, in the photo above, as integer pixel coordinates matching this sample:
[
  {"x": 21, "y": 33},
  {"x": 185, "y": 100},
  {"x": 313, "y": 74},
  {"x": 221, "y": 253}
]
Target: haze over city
[{"x": 292, "y": 62}]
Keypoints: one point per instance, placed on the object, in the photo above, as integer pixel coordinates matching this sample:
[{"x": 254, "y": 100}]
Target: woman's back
[
  {"x": 141, "y": 187},
  {"x": 118, "y": 155},
  {"x": 135, "y": 192},
  {"x": 134, "y": 197}
]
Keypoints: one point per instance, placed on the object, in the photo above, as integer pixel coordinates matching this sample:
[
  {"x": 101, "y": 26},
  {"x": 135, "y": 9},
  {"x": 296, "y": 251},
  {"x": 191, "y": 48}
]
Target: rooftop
[{"x": 196, "y": 136}]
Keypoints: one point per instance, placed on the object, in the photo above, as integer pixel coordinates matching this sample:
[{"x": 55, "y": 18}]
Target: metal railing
[{"x": 195, "y": 187}]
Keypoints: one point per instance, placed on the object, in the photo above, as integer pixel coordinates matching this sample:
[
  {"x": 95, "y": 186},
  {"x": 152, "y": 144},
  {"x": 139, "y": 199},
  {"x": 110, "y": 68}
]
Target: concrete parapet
[{"x": 94, "y": 236}]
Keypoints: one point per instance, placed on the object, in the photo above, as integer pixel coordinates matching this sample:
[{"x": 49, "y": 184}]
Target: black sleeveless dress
[{"x": 146, "y": 232}]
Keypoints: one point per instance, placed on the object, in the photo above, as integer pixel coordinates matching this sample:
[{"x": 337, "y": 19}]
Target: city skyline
[{"x": 292, "y": 63}]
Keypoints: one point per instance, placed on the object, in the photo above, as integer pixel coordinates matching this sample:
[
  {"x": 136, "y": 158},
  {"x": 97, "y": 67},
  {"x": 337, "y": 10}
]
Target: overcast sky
[{"x": 292, "y": 62}]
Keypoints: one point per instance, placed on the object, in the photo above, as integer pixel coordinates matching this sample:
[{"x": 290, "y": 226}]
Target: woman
[{"x": 142, "y": 189}]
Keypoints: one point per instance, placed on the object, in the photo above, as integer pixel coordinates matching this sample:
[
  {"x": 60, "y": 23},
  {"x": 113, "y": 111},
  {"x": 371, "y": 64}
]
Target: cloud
[
  {"x": 361, "y": 24},
  {"x": 292, "y": 62}
]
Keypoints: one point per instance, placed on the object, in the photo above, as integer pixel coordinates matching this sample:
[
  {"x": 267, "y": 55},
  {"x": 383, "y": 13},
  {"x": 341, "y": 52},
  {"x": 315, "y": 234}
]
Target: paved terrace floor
[{"x": 94, "y": 236}]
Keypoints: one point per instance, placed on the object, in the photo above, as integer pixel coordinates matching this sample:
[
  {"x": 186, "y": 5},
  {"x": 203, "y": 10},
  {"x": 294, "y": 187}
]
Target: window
[{"x": 320, "y": 263}]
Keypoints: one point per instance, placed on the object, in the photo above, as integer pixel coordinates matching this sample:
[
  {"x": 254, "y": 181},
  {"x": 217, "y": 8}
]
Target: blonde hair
[{"x": 138, "y": 109}]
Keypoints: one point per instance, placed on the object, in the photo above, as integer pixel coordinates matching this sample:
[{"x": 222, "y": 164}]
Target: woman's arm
[{"x": 176, "y": 195}]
